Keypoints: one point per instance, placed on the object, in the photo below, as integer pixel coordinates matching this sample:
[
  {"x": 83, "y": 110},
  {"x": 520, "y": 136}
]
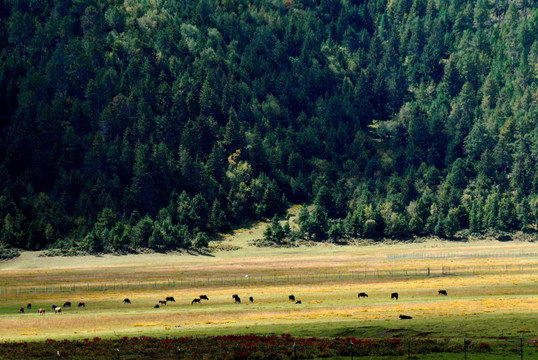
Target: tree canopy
[{"x": 155, "y": 123}]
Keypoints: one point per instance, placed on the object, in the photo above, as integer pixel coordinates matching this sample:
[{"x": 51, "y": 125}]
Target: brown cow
[
  {"x": 81, "y": 304},
  {"x": 21, "y": 310},
  {"x": 162, "y": 302},
  {"x": 67, "y": 304},
  {"x": 41, "y": 311},
  {"x": 195, "y": 301},
  {"x": 442, "y": 292}
]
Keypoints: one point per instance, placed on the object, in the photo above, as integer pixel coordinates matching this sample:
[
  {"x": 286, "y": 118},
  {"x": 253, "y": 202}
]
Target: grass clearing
[{"x": 488, "y": 297}]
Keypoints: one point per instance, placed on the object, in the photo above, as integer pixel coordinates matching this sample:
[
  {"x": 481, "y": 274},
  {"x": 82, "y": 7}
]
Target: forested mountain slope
[{"x": 155, "y": 123}]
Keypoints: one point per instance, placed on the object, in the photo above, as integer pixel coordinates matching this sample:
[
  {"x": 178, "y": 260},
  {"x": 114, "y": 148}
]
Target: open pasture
[{"x": 497, "y": 300}]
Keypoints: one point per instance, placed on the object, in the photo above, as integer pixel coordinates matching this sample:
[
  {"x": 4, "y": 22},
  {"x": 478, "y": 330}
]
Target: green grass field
[{"x": 494, "y": 305}]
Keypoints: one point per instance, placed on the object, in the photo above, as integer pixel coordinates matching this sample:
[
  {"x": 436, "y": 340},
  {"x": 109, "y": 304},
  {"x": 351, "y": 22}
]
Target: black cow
[
  {"x": 81, "y": 304},
  {"x": 162, "y": 302},
  {"x": 54, "y": 306},
  {"x": 234, "y": 296},
  {"x": 156, "y": 306},
  {"x": 291, "y": 298},
  {"x": 237, "y": 300},
  {"x": 251, "y": 299},
  {"x": 67, "y": 304},
  {"x": 126, "y": 301},
  {"x": 405, "y": 317},
  {"x": 298, "y": 302},
  {"x": 442, "y": 292},
  {"x": 170, "y": 299},
  {"x": 195, "y": 301},
  {"x": 394, "y": 296},
  {"x": 21, "y": 310},
  {"x": 204, "y": 297},
  {"x": 29, "y": 306},
  {"x": 363, "y": 294}
]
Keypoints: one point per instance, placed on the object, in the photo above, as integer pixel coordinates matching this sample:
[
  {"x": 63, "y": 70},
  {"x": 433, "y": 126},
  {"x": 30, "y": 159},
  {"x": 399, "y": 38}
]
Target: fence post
[
  {"x": 118, "y": 351},
  {"x": 178, "y": 353},
  {"x": 351, "y": 349},
  {"x": 295, "y": 350}
]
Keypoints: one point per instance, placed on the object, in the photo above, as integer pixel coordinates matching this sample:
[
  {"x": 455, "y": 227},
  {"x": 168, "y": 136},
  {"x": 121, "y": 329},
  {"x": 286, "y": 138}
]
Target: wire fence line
[
  {"x": 295, "y": 278},
  {"x": 462, "y": 254}
]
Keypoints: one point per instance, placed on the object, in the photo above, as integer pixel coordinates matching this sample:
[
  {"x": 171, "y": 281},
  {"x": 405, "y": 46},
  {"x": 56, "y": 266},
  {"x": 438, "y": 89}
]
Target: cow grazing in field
[
  {"x": 54, "y": 306},
  {"x": 237, "y": 300},
  {"x": 298, "y": 302},
  {"x": 405, "y": 317},
  {"x": 162, "y": 302},
  {"x": 156, "y": 306},
  {"x": 291, "y": 298},
  {"x": 126, "y": 301},
  {"x": 81, "y": 304},
  {"x": 195, "y": 301},
  {"x": 394, "y": 296},
  {"x": 21, "y": 310},
  {"x": 170, "y": 299},
  {"x": 29, "y": 306},
  {"x": 204, "y": 297},
  {"x": 251, "y": 299},
  {"x": 41, "y": 311},
  {"x": 363, "y": 294},
  {"x": 235, "y": 296},
  {"x": 67, "y": 304},
  {"x": 442, "y": 292},
  {"x": 58, "y": 310}
]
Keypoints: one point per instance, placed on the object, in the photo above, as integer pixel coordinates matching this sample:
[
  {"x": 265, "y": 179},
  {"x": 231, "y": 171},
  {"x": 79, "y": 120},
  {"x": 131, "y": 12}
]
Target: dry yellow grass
[{"x": 324, "y": 300}]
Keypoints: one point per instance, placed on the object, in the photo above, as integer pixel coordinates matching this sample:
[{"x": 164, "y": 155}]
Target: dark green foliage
[{"x": 128, "y": 126}]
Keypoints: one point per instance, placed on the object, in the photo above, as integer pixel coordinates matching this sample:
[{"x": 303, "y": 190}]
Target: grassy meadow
[{"x": 491, "y": 297}]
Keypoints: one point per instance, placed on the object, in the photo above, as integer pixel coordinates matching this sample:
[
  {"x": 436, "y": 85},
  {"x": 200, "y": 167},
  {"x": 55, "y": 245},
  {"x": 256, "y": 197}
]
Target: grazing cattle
[
  {"x": 81, "y": 304},
  {"x": 58, "y": 310},
  {"x": 235, "y": 296},
  {"x": 21, "y": 310},
  {"x": 363, "y": 294},
  {"x": 162, "y": 302},
  {"x": 170, "y": 299},
  {"x": 67, "y": 304},
  {"x": 204, "y": 297},
  {"x": 156, "y": 306},
  {"x": 29, "y": 306},
  {"x": 195, "y": 301},
  {"x": 126, "y": 301},
  {"x": 54, "y": 306},
  {"x": 298, "y": 302},
  {"x": 41, "y": 311},
  {"x": 405, "y": 317},
  {"x": 237, "y": 300},
  {"x": 394, "y": 296},
  {"x": 442, "y": 292},
  {"x": 251, "y": 299},
  {"x": 291, "y": 298}
]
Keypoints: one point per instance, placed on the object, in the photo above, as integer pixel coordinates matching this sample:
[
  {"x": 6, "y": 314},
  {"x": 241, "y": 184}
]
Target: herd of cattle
[
  {"x": 55, "y": 308},
  {"x": 235, "y": 297}
]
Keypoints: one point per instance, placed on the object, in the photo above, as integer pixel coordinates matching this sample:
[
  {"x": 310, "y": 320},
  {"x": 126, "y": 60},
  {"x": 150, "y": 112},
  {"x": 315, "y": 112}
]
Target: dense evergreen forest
[{"x": 130, "y": 124}]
